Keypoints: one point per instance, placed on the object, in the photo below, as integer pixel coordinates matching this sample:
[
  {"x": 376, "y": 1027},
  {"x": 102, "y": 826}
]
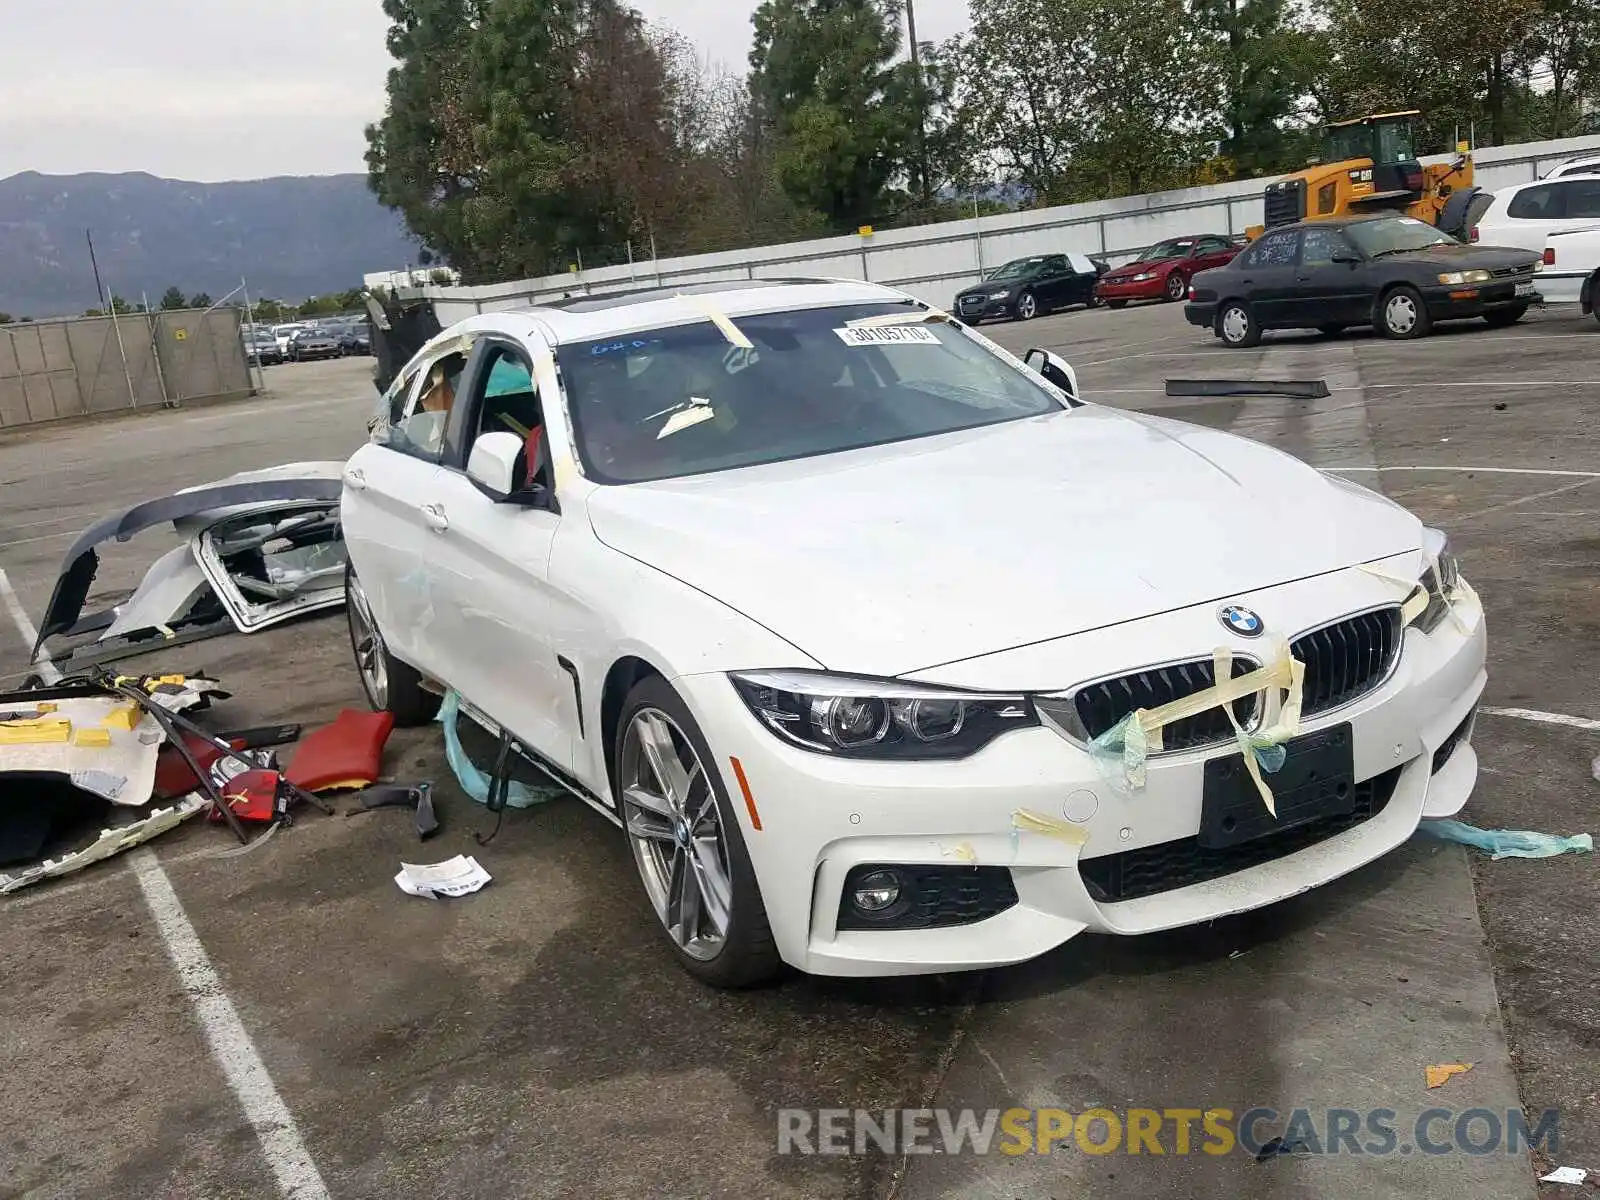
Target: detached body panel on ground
[{"x": 730, "y": 564}]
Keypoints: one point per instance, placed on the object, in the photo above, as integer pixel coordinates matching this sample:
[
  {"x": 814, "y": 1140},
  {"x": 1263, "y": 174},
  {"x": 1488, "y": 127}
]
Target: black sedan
[
  {"x": 1026, "y": 287},
  {"x": 1393, "y": 272}
]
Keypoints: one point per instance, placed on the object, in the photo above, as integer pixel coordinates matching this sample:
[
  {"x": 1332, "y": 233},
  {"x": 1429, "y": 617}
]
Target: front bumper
[
  {"x": 1145, "y": 289},
  {"x": 975, "y": 309},
  {"x": 821, "y": 816},
  {"x": 1452, "y": 303}
]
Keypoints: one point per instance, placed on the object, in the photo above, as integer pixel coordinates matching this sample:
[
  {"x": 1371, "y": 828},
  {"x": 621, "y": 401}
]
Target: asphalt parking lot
[{"x": 535, "y": 1039}]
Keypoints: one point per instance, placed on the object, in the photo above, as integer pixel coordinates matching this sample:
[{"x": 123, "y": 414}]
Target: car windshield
[
  {"x": 1173, "y": 249},
  {"x": 663, "y": 403},
  {"x": 1017, "y": 268},
  {"x": 1395, "y": 235}
]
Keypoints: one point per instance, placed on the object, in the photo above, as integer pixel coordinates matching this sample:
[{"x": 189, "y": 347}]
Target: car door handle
[
  {"x": 433, "y": 516},
  {"x": 356, "y": 478}
]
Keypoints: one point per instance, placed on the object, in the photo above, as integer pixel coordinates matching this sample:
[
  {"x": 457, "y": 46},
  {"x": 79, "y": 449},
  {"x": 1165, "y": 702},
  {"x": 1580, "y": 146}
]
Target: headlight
[
  {"x": 879, "y": 718},
  {"x": 1142, "y": 276},
  {"x": 1441, "y": 584},
  {"x": 1465, "y": 277},
  {"x": 999, "y": 295},
  {"x": 1538, "y": 265}
]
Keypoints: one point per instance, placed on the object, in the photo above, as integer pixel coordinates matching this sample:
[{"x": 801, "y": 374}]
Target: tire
[
  {"x": 1027, "y": 306},
  {"x": 702, "y": 825},
  {"x": 1174, "y": 287},
  {"x": 1237, "y": 325},
  {"x": 1093, "y": 301},
  {"x": 1333, "y": 330},
  {"x": 1116, "y": 304},
  {"x": 1502, "y": 317},
  {"x": 391, "y": 685},
  {"x": 1402, "y": 315}
]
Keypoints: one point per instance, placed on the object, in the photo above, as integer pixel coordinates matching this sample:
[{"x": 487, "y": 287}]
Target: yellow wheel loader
[{"x": 1369, "y": 164}]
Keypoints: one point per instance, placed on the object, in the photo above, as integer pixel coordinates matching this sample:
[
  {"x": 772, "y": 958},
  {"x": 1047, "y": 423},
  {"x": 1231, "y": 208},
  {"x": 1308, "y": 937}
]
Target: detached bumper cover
[{"x": 821, "y": 817}]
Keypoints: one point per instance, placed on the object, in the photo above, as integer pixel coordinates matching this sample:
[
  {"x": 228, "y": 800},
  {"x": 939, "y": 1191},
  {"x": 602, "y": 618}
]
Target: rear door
[
  {"x": 1266, "y": 275},
  {"x": 1326, "y": 292},
  {"x": 1055, "y": 282},
  {"x": 386, "y": 485}
]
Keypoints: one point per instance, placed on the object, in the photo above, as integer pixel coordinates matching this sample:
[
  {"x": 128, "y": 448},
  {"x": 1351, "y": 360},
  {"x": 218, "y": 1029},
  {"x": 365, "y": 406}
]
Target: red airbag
[{"x": 345, "y": 754}]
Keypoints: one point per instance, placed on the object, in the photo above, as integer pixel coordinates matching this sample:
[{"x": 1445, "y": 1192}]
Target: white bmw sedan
[{"x": 887, "y": 652}]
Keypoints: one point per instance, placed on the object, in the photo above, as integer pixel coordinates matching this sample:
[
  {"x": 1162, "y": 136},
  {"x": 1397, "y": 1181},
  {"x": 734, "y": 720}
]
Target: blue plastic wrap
[
  {"x": 475, "y": 782},
  {"x": 1508, "y": 843}
]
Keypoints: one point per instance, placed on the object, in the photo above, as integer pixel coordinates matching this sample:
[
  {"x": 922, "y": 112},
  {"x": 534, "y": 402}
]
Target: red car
[{"x": 1162, "y": 272}]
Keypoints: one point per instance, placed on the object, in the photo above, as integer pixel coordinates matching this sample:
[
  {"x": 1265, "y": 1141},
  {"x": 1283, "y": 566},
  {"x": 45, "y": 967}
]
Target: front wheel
[
  {"x": 1175, "y": 286},
  {"x": 1501, "y": 317},
  {"x": 1237, "y": 325},
  {"x": 1403, "y": 315},
  {"x": 1027, "y": 306},
  {"x": 687, "y": 842},
  {"x": 391, "y": 685}
]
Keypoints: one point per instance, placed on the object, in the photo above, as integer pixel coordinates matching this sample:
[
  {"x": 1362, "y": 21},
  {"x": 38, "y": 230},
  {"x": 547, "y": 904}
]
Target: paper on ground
[
  {"x": 460, "y": 876},
  {"x": 1565, "y": 1175}
]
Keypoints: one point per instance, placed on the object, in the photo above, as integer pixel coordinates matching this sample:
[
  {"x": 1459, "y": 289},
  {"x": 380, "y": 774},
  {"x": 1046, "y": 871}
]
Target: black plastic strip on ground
[{"x": 1306, "y": 389}]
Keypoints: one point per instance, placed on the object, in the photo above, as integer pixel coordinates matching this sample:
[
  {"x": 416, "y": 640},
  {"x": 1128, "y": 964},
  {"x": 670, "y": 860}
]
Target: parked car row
[{"x": 305, "y": 341}]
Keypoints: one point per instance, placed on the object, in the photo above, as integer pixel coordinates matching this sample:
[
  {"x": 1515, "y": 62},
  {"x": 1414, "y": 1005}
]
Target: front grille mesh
[
  {"x": 1343, "y": 661},
  {"x": 1151, "y": 870},
  {"x": 1347, "y": 660},
  {"x": 1101, "y": 705}
]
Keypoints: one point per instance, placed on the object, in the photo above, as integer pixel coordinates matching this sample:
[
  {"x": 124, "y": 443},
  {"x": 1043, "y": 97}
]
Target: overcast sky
[{"x": 242, "y": 89}]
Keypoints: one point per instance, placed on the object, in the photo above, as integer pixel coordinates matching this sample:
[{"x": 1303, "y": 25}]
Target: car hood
[
  {"x": 893, "y": 559},
  {"x": 1129, "y": 270},
  {"x": 1460, "y": 257}
]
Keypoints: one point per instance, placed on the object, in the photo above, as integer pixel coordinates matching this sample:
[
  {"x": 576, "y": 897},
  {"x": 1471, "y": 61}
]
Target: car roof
[{"x": 585, "y": 318}]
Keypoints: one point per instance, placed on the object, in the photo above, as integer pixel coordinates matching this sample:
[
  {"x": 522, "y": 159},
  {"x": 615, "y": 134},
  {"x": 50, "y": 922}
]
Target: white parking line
[
  {"x": 297, "y": 1175},
  {"x": 231, "y": 1046},
  {"x": 1543, "y": 718},
  {"x": 1480, "y": 471}
]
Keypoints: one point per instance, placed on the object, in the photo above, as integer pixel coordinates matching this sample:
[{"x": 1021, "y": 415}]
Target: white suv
[
  {"x": 1525, "y": 215},
  {"x": 869, "y": 640}
]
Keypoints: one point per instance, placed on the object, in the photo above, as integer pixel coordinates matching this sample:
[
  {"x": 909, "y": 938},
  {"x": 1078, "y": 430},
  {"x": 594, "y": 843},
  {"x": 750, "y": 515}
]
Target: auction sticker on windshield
[{"x": 888, "y": 335}]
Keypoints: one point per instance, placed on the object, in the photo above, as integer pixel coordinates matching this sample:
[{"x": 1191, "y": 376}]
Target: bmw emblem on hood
[{"x": 1243, "y": 621}]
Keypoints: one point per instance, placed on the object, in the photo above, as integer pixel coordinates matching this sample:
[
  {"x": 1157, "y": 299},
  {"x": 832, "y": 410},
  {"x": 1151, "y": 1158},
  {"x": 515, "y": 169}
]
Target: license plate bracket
[{"x": 1317, "y": 780}]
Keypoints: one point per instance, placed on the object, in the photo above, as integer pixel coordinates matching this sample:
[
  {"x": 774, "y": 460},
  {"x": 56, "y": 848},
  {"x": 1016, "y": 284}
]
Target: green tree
[
  {"x": 825, "y": 75},
  {"x": 5, "y": 318},
  {"x": 172, "y": 300},
  {"x": 200, "y": 300},
  {"x": 1085, "y": 99},
  {"x": 122, "y": 307},
  {"x": 1268, "y": 61}
]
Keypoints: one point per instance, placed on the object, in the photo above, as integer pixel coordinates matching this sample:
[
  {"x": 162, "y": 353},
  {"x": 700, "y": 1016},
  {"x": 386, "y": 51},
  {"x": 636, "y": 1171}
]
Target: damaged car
[
  {"x": 886, "y": 651},
  {"x": 257, "y": 548}
]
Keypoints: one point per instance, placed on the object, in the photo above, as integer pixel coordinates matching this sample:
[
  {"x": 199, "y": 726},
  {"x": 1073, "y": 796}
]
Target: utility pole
[
  {"x": 99, "y": 288},
  {"x": 922, "y": 103}
]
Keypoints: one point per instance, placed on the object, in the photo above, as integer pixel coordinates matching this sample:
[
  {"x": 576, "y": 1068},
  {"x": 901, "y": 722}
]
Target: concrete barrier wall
[
  {"x": 50, "y": 370},
  {"x": 933, "y": 262}
]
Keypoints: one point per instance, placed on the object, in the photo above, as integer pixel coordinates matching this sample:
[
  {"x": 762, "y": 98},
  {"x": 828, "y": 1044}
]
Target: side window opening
[
  {"x": 420, "y": 429},
  {"x": 507, "y": 401}
]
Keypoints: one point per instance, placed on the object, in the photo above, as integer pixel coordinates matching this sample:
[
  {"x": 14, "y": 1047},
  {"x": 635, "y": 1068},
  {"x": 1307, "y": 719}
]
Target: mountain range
[{"x": 288, "y": 238}]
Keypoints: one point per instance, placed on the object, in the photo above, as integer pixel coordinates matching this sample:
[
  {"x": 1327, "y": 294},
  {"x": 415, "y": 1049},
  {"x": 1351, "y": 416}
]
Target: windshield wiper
[{"x": 1396, "y": 250}]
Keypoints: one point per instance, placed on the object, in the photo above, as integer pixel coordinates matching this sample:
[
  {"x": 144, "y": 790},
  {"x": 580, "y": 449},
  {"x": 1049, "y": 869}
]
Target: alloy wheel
[
  {"x": 676, "y": 831},
  {"x": 1175, "y": 286},
  {"x": 1027, "y": 307},
  {"x": 371, "y": 655},
  {"x": 1400, "y": 314}
]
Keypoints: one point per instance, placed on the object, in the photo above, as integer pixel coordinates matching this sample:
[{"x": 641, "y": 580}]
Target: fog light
[{"x": 876, "y": 891}]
